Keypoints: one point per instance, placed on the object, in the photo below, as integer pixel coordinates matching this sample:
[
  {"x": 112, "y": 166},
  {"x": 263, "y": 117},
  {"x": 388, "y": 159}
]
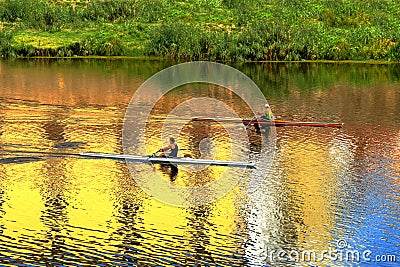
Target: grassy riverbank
[{"x": 203, "y": 29}]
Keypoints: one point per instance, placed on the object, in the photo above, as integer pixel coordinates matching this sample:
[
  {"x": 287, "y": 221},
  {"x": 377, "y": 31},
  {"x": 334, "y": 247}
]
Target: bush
[
  {"x": 102, "y": 44},
  {"x": 15, "y": 10},
  {"x": 25, "y": 50},
  {"x": 109, "y": 10},
  {"x": 264, "y": 40},
  {"x": 34, "y": 14},
  {"x": 394, "y": 52},
  {"x": 151, "y": 10},
  {"x": 6, "y": 38},
  {"x": 175, "y": 40}
]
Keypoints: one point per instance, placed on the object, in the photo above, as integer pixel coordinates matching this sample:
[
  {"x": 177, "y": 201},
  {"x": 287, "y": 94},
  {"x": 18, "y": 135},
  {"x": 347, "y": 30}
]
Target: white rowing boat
[
  {"x": 143, "y": 159},
  {"x": 178, "y": 161}
]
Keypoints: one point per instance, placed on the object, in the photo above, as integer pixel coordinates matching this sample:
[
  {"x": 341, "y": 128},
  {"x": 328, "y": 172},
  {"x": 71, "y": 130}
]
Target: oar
[
  {"x": 251, "y": 120},
  {"x": 42, "y": 152}
]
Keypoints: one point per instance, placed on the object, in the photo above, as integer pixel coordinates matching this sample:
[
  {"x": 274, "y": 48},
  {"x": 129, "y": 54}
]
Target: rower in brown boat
[{"x": 266, "y": 114}]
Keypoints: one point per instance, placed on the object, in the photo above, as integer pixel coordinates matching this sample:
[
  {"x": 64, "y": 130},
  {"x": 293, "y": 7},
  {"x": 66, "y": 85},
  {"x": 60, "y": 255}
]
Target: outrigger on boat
[{"x": 275, "y": 122}]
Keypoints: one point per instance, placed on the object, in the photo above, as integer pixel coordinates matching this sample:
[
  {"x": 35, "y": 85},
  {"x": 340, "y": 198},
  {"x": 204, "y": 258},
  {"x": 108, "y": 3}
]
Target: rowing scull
[
  {"x": 276, "y": 122},
  {"x": 143, "y": 159},
  {"x": 178, "y": 160}
]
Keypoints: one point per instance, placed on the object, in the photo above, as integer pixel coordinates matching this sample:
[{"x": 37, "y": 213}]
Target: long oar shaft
[{"x": 40, "y": 152}]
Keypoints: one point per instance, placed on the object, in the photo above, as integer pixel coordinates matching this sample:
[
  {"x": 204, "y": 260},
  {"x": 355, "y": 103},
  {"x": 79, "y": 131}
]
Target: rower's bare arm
[{"x": 165, "y": 149}]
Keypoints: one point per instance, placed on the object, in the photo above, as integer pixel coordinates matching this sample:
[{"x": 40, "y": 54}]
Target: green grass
[
  {"x": 227, "y": 30},
  {"x": 51, "y": 39}
]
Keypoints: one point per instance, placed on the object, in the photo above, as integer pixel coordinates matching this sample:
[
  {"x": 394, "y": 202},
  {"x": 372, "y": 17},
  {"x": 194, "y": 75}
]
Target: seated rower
[
  {"x": 266, "y": 114},
  {"x": 170, "y": 151}
]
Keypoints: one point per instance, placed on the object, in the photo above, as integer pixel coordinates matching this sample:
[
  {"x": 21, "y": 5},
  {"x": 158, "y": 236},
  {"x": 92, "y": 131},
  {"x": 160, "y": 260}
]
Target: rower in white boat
[
  {"x": 169, "y": 155},
  {"x": 170, "y": 151}
]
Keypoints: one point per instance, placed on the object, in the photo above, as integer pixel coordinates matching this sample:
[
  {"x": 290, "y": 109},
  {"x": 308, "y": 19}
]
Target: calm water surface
[{"x": 328, "y": 192}]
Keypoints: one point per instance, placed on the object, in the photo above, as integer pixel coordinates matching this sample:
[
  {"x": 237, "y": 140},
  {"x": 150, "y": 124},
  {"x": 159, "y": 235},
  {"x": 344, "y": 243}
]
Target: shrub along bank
[{"x": 203, "y": 29}]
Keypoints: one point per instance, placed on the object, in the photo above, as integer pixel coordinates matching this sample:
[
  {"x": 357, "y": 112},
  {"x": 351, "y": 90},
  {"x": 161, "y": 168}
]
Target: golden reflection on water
[
  {"x": 93, "y": 211},
  {"x": 78, "y": 196},
  {"x": 309, "y": 174}
]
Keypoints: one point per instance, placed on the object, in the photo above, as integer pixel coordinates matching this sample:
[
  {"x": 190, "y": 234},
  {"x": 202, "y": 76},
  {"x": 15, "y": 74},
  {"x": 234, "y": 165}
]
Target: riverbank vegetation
[{"x": 226, "y": 30}]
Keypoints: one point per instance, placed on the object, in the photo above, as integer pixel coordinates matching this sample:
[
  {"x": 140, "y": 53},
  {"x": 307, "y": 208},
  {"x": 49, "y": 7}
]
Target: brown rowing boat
[{"x": 276, "y": 122}]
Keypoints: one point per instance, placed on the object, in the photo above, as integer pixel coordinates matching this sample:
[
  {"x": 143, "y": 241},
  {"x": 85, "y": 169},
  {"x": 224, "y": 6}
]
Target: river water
[{"x": 331, "y": 197}]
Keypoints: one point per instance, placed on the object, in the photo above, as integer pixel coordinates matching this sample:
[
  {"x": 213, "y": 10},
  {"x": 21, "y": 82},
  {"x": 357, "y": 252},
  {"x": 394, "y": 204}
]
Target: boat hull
[
  {"x": 276, "y": 123},
  {"x": 173, "y": 161}
]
